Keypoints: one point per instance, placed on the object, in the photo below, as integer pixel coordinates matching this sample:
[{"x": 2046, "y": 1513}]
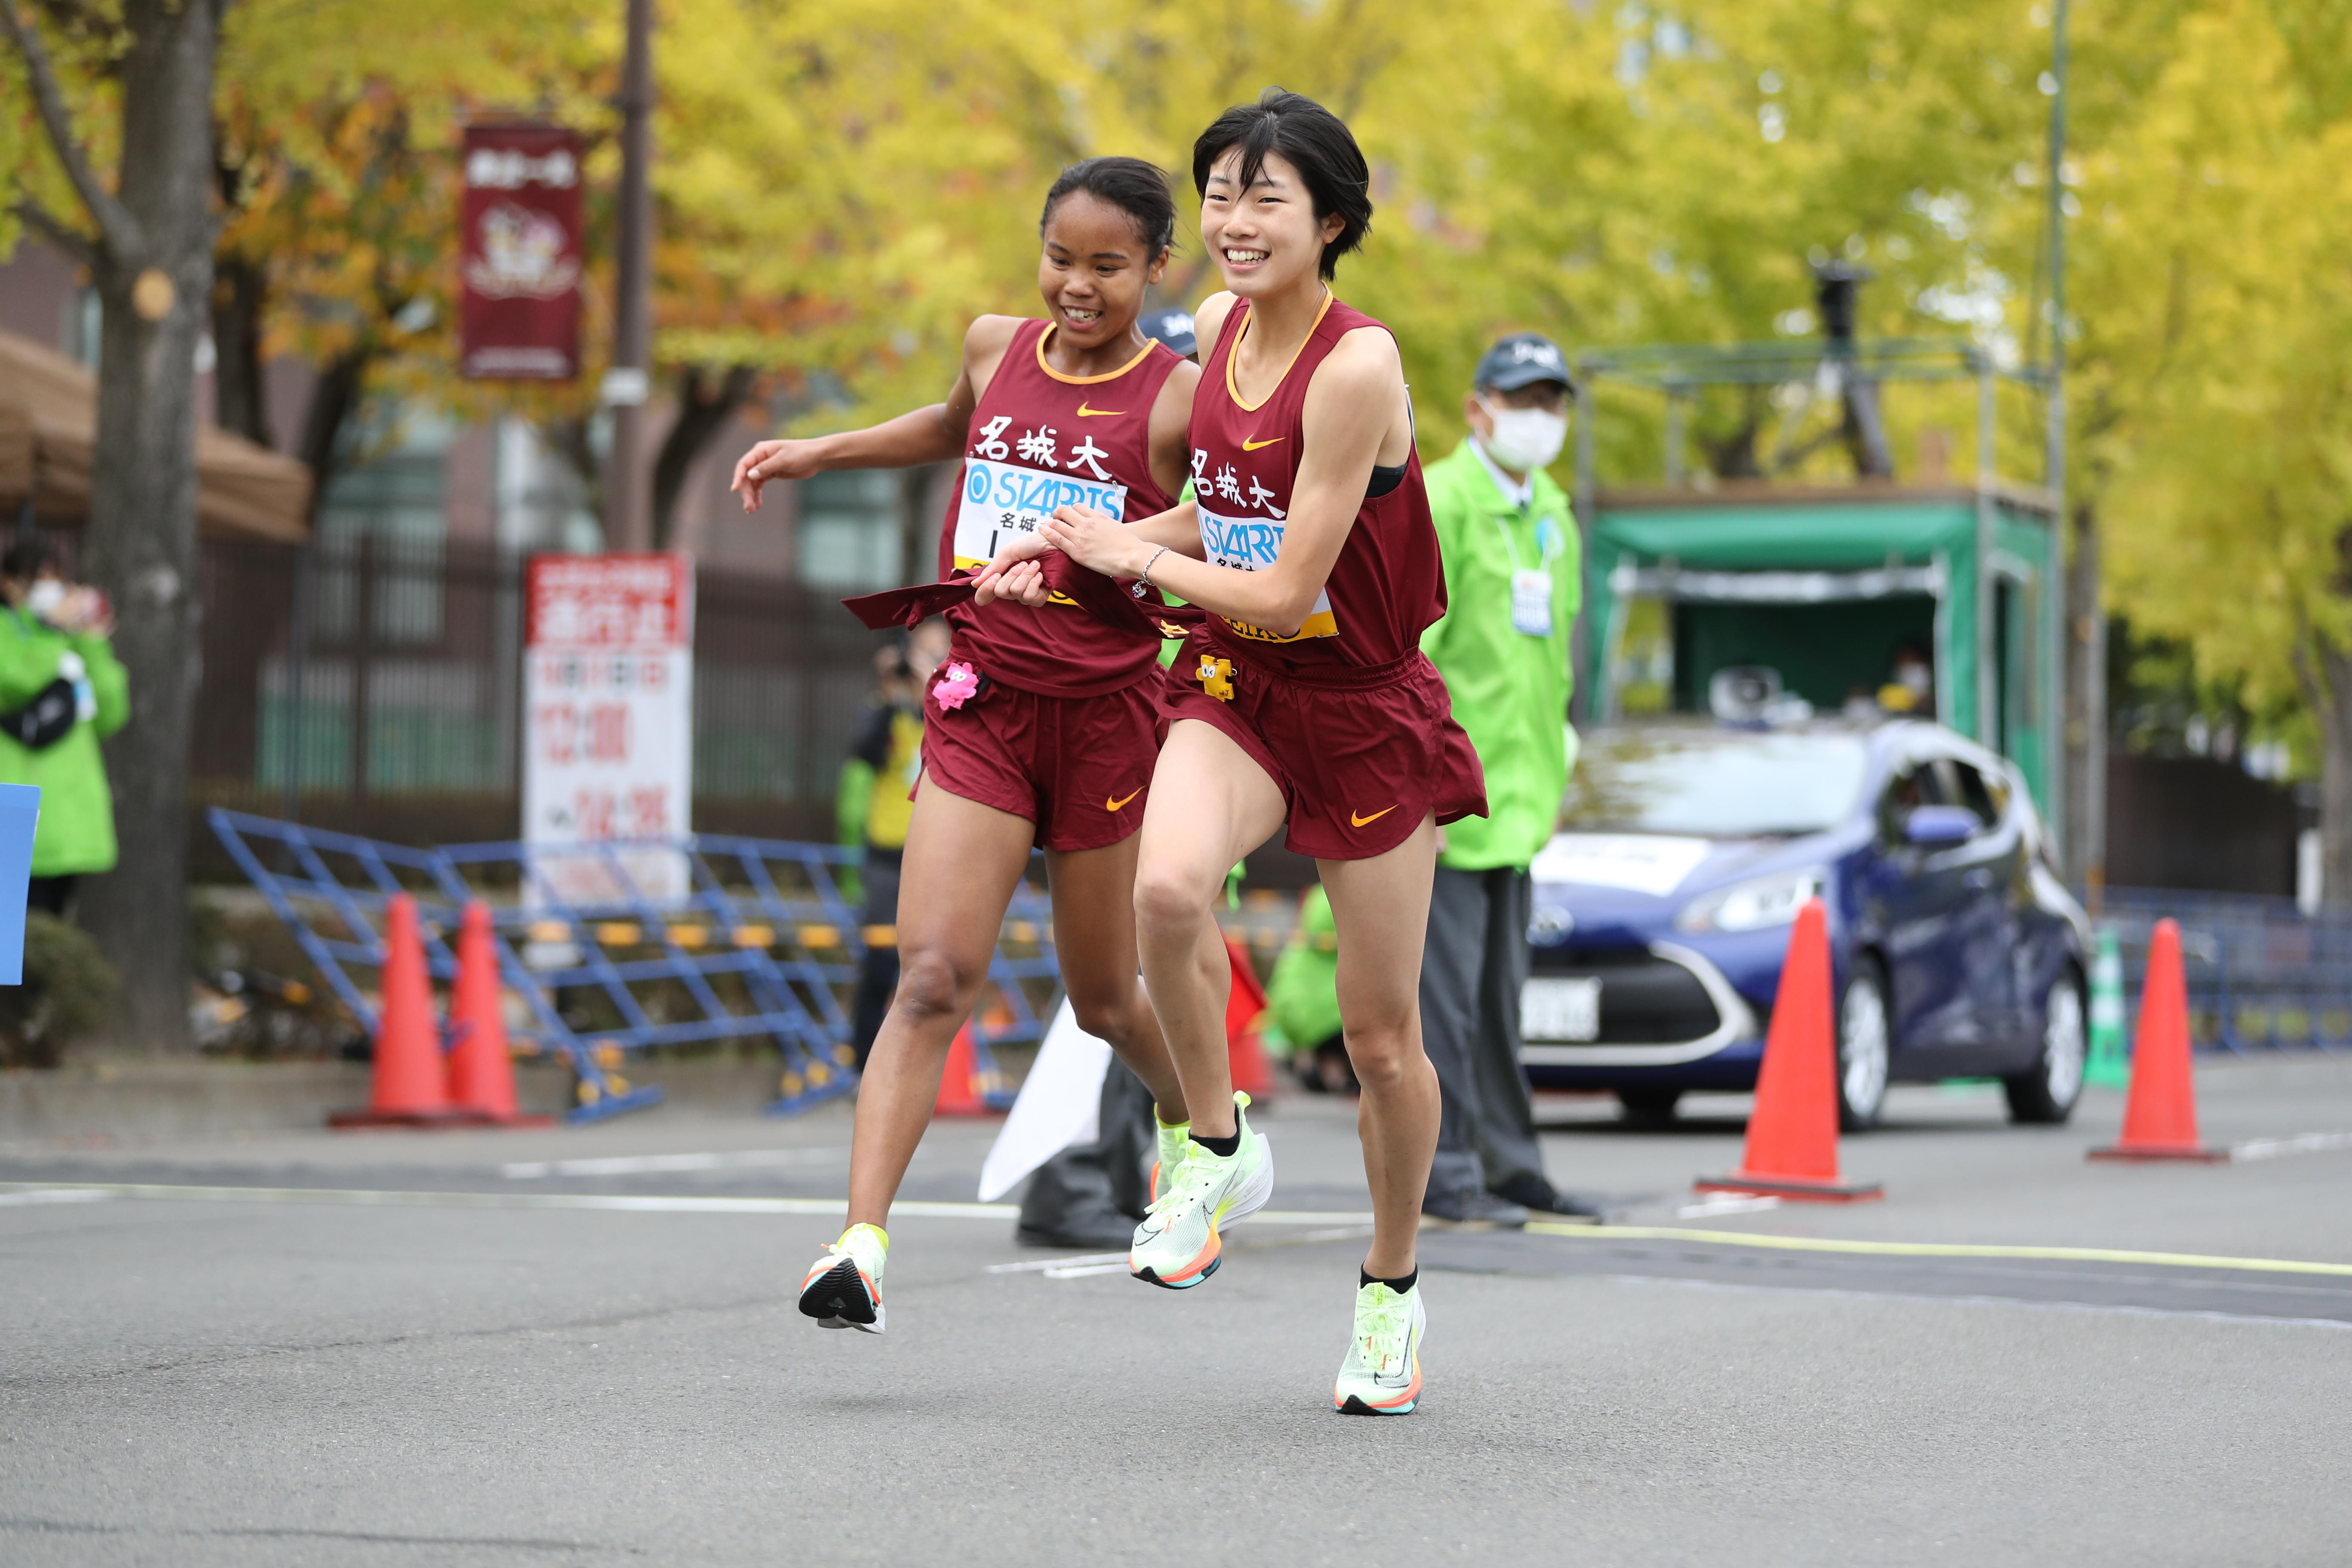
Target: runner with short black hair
[
  {"x": 1041, "y": 726},
  {"x": 1303, "y": 698}
]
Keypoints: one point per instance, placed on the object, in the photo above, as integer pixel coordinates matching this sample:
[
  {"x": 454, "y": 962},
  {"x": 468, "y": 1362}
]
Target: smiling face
[
  {"x": 1093, "y": 270},
  {"x": 1265, "y": 238}
]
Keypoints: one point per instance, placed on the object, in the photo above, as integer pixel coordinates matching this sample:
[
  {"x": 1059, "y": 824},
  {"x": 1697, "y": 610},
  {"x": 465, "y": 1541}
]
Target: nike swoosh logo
[
  {"x": 1111, "y": 804},
  {"x": 1361, "y": 821},
  {"x": 1087, "y": 413},
  {"x": 1250, "y": 446}
]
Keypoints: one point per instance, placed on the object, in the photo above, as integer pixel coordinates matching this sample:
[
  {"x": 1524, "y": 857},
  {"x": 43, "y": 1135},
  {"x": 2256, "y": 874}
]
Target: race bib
[
  {"x": 1002, "y": 500},
  {"x": 1531, "y": 603},
  {"x": 1250, "y": 544}
]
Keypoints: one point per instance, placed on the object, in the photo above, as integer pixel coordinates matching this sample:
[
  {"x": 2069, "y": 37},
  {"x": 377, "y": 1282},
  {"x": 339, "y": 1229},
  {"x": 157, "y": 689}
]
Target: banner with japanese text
[
  {"x": 518, "y": 311},
  {"x": 608, "y": 705}
]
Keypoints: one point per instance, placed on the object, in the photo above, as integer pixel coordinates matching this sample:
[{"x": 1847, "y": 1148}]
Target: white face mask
[
  {"x": 44, "y": 596},
  {"x": 1525, "y": 439}
]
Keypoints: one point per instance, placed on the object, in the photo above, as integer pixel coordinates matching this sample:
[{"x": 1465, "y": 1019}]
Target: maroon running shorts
[
  {"x": 1078, "y": 767},
  {"x": 1361, "y": 757}
]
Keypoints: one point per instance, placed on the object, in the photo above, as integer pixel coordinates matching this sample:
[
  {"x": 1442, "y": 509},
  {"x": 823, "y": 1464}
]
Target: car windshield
[{"x": 1715, "y": 784}]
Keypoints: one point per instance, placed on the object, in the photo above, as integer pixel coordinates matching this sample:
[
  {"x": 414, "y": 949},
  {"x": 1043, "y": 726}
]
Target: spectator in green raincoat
[
  {"x": 1513, "y": 586},
  {"x": 61, "y": 692}
]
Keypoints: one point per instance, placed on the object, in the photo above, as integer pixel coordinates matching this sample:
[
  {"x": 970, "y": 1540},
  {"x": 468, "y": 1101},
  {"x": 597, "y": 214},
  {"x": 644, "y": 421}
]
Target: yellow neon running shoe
[
  {"x": 1381, "y": 1375},
  {"x": 843, "y": 1288},
  {"x": 1172, "y": 1143},
  {"x": 1177, "y": 1245}
]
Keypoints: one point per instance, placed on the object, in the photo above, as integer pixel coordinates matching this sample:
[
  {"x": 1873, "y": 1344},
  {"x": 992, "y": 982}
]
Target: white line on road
[
  {"x": 2104, "y": 1309},
  {"x": 1047, "y": 1264},
  {"x": 54, "y": 1195},
  {"x": 1728, "y": 1203},
  {"x": 624, "y": 1203},
  {"x": 634, "y": 1164},
  {"x": 2279, "y": 1148}
]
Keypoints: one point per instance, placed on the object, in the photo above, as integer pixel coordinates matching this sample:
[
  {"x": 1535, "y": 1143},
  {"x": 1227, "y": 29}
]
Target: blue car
[{"x": 1662, "y": 914}]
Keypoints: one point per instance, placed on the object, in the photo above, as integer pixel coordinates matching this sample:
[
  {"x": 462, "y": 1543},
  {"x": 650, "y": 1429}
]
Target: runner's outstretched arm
[{"x": 932, "y": 434}]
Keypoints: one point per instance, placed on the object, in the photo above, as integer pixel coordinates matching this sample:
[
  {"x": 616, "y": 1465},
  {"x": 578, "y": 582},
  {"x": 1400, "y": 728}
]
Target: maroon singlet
[
  {"x": 1040, "y": 439},
  {"x": 1388, "y": 585}
]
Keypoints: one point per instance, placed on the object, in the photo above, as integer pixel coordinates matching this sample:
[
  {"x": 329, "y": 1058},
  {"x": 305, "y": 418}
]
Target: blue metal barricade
[
  {"x": 2262, "y": 974},
  {"x": 762, "y": 945}
]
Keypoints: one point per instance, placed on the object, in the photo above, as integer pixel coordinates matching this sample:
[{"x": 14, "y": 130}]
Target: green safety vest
[{"x": 1509, "y": 687}]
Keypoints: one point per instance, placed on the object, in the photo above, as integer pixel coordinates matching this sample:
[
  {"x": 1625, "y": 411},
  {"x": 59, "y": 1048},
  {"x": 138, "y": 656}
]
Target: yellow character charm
[{"x": 1216, "y": 676}]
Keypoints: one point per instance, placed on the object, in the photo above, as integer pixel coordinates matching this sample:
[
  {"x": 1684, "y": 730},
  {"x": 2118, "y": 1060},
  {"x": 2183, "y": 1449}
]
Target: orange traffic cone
[
  {"x": 1244, "y": 1012},
  {"x": 408, "y": 1089},
  {"x": 961, "y": 1092},
  {"x": 1792, "y": 1135},
  {"x": 2161, "y": 1106},
  {"x": 481, "y": 1073}
]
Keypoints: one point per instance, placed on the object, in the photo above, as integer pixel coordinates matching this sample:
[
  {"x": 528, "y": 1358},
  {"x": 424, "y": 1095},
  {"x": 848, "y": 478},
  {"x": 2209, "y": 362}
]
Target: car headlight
[{"x": 1755, "y": 905}]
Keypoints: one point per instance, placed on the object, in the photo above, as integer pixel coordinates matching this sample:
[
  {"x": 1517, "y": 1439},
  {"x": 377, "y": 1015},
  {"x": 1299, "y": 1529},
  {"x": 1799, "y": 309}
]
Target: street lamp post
[{"x": 628, "y": 514}]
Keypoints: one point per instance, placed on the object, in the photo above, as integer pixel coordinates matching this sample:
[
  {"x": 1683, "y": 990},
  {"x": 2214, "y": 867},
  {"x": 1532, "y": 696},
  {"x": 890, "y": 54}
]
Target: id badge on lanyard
[{"x": 1531, "y": 601}]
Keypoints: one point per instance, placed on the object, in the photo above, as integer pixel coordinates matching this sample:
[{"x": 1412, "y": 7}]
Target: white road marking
[
  {"x": 634, "y": 1164},
  {"x": 1047, "y": 1264},
  {"x": 1728, "y": 1203},
  {"x": 54, "y": 1195},
  {"x": 624, "y": 1203},
  {"x": 2102, "y": 1310},
  {"x": 2279, "y": 1148},
  {"x": 1080, "y": 1270}
]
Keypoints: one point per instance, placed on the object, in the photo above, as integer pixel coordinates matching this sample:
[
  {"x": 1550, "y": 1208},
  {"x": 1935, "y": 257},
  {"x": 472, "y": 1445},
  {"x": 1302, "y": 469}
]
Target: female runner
[
  {"x": 1304, "y": 697},
  {"x": 1041, "y": 725}
]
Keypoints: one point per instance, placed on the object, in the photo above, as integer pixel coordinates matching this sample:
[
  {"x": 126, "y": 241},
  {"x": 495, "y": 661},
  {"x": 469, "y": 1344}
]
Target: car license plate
[{"x": 1560, "y": 1010}]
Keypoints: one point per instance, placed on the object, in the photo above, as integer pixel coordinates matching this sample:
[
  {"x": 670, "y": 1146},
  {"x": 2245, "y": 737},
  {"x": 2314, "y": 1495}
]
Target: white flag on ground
[{"x": 1060, "y": 1104}]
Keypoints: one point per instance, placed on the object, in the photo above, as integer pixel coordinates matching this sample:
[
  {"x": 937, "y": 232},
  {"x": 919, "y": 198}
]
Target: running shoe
[
  {"x": 1381, "y": 1375},
  {"x": 1176, "y": 1246},
  {"x": 1172, "y": 1143},
  {"x": 843, "y": 1288}
]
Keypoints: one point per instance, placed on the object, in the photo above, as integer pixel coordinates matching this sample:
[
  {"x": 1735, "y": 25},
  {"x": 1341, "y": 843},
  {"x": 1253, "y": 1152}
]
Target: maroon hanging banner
[{"x": 520, "y": 315}]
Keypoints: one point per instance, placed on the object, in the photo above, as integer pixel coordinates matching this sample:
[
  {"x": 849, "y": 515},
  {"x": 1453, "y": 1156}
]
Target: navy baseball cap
[
  {"x": 1173, "y": 328},
  {"x": 1521, "y": 360}
]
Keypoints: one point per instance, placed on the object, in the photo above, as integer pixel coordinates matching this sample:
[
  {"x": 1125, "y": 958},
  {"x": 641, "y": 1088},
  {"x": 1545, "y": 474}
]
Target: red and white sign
[
  {"x": 608, "y": 721},
  {"x": 519, "y": 316}
]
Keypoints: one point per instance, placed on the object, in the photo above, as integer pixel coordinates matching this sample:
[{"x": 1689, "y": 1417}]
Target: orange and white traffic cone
[
  {"x": 481, "y": 1071},
  {"x": 1245, "y": 1017},
  {"x": 1792, "y": 1133},
  {"x": 408, "y": 1089},
  {"x": 960, "y": 1090},
  {"x": 2161, "y": 1106}
]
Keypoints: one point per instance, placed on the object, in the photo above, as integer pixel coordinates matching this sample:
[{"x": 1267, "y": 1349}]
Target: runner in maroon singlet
[
  {"x": 1304, "y": 698},
  {"x": 1042, "y": 725}
]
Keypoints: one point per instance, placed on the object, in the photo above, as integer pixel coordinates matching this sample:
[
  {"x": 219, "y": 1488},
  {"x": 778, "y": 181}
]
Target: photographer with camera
[{"x": 61, "y": 692}]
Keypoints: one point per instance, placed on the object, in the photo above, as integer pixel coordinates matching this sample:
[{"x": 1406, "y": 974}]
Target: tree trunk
[
  {"x": 334, "y": 397},
  {"x": 141, "y": 546},
  {"x": 703, "y": 410},
  {"x": 2332, "y": 707},
  {"x": 240, "y": 402},
  {"x": 2084, "y": 831}
]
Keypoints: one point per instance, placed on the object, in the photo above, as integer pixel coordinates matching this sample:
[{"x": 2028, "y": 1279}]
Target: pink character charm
[{"x": 957, "y": 685}]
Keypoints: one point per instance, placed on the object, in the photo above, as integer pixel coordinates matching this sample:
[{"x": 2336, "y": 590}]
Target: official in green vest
[
  {"x": 1512, "y": 588},
  {"x": 61, "y": 692}
]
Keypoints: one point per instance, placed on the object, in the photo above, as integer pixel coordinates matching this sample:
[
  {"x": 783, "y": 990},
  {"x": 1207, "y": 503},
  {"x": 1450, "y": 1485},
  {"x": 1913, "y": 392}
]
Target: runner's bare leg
[
  {"x": 1210, "y": 805},
  {"x": 1094, "y": 940},
  {"x": 1379, "y": 912},
  {"x": 962, "y": 861}
]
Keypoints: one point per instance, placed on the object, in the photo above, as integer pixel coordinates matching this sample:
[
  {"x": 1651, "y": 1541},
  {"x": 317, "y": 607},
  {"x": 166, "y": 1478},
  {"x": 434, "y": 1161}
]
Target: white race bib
[
  {"x": 1531, "y": 603},
  {"x": 1250, "y": 544},
  {"x": 1002, "y": 500}
]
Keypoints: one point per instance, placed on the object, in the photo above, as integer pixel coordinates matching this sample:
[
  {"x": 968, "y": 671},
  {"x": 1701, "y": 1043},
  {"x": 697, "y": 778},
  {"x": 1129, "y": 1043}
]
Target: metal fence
[
  {"x": 2262, "y": 974},
  {"x": 374, "y": 684}
]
